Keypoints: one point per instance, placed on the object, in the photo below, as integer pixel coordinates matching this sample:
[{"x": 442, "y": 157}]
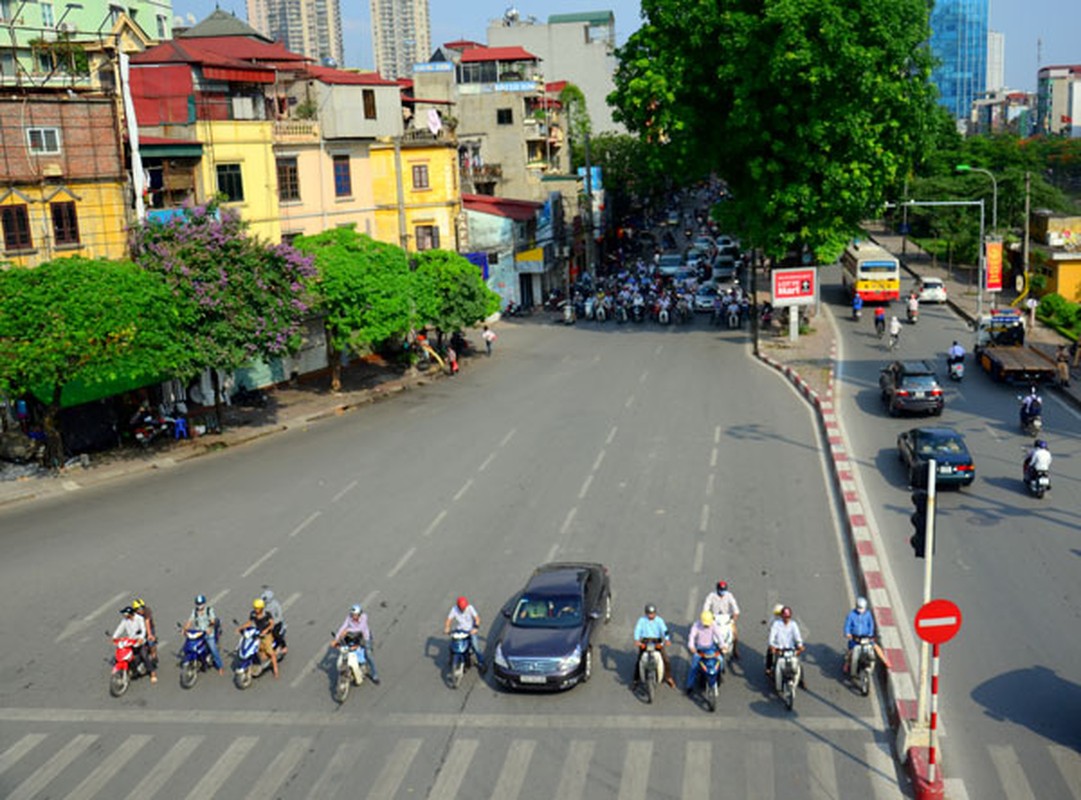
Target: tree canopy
[
  {"x": 450, "y": 292},
  {"x": 810, "y": 109}
]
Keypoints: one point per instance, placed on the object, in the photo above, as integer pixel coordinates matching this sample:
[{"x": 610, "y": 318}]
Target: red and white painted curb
[{"x": 900, "y": 682}]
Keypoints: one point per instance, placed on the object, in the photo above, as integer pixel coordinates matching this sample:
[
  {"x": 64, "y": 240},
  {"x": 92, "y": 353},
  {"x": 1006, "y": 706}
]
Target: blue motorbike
[
  {"x": 249, "y": 664},
  {"x": 461, "y": 656},
  {"x": 710, "y": 675},
  {"x": 194, "y": 658}
]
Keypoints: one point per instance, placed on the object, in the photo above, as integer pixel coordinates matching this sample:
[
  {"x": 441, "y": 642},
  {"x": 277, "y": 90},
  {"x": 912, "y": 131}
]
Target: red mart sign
[{"x": 794, "y": 287}]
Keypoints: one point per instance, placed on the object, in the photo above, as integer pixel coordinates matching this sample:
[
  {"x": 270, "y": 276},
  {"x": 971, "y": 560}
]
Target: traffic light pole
[{"x": 928, "y": 561}]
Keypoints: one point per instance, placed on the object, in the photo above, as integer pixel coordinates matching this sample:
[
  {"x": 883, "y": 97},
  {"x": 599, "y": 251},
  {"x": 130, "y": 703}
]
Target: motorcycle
[
  {"x": 249, "y": 663},
  {"x": 568, "y": 313},
  {"x": 461, "y": 656},
  {"x": 651, "y": 667},
  {"x": 601, "y": 311},
  {"x": 710, "y": 675},
  {"x": 123, "y": 672},
  {"x": 787, "y": 675},
  {"x": 865, "y": 664},
  {"x": 621, "y": 313},
  {"x": 732, "y": 316},
  {"x": 662, "y": 316},
  {"x": 151, "y": 428},
  {"x": 913, "y": 315},
  {"x": 638, "y": 311},
  {"x": 857, "y": 313},
  {"x": 957, "y": 369},
  {"x": 880, "y": 327},
  {"x": 352, "y": 664},
  {"x": 1038, "y": 481},
  {"x": 1031, "y": 422},
  {"x": 194, "y": 658},
  {"x": 590, "y": 306}
]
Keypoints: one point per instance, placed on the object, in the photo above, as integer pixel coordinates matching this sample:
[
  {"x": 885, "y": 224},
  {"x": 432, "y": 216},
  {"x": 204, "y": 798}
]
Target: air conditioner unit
[{"x": 65, "y": 27}]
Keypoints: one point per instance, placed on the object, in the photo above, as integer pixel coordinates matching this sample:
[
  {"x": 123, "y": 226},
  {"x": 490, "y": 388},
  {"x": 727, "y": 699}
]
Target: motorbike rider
[
  {"x": 895, "y": 331},
  {"x": 264, "y": 626},
  {"x": 703, "y": 634},
  {"x": 857, "y": 305},
  {"x": 913, "y": 305},
  {"x": 859, "y": 623},
  {"x": 652, "y": 626},
  {"x": 785, "y": 636},
  {"x": 880, "y": 320},
  {"x": 721, "y": 601},
  {"x": 355, "y": 630},
  {"x": 774, "y": 622},
  {"x": 1031, "y": 406},
  {"x": 133, "y": 626},
  {"x": 143, "y": 610},
  {"x": 463, "y": 617},
  {"x": 1038, "y": 459},
  {"x": 203, "y": 618},
  {"x": 274, "y": 608},
  {"x": 956, "y": 354}
]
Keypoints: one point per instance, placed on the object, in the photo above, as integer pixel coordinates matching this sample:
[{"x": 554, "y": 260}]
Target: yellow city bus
[{"x": 872, "y": 272}]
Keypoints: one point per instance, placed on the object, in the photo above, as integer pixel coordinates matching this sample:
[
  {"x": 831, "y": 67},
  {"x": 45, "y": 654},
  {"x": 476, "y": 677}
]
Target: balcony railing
[{"x": 296, "y": 130}]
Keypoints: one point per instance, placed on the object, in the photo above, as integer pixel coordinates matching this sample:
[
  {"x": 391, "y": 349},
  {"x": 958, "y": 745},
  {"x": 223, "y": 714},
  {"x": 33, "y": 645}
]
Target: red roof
[
  {"x": 330, "y": 75},
  {"x": 248, "y": 49},
  {"x": 520, "y": 210},
  {"x": 462, "y": 44},
  {"x": 222, "y": 51},
  {"x": 514, "y": 53},
  {"x": 405, "y": 83}
]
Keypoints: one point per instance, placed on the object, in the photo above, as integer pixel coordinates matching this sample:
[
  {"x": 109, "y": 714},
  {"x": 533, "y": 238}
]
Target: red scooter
[{"x": 123, "y": 671}]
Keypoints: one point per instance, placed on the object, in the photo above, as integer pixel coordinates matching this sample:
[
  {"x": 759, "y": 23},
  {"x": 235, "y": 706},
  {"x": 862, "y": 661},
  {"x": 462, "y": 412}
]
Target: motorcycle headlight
[
  {"x": 571, "y": 661},
  {"x": 499, "y": 659}
]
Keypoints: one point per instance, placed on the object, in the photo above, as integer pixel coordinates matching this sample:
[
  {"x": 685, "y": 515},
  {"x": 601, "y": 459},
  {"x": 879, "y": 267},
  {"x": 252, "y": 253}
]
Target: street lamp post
[{"x": 994, "y": 192}]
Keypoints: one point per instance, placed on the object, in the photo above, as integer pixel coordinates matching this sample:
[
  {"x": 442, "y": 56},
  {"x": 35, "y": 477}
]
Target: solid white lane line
[
  {"x": 109, "y": 766},
  {"x": 508, "y": 437},
  {"x": 629, "y": 402},
  {"x": 79, "y": 624},
  {"x": 268, "y": 555},
  {"x": 331, "y": 778},
  {"x": 463, "y": 490},
  {"x": 572, "y": 780},
  {"x": 699, "y": 553},
  {"x": 713, "y": 457},
  {"x": 312, "y": 517},
  {"x": 703, "y": 522},
  {"x": 401, "y": 562},
  {"x": 486, "y": 462},
  {"x": 11, "y": 756},
  {"x": 823, "y": 774},
  {"x": 709, "y": 484},
  {"x": 290, "y": 600},
  {"x": 611, "y": 435},
  {"x": 214, "y": 777},
  {"x": 512, "y": 776},
  {"x": 218, "y": 597},
  {"x": 716, "y": 434},
  {"x": 696, "y": 771},
  {"x": 567, "y": 520},
  {"x": 352, "y": 485},
  {"x": 453, "y": 769},
  {"x": 271, "y": 778},
  {"x": 1011, "y": 776},
  {"x": 43, "y": 775},
  {"x": 598, "y": 460},
  {"x": 435, "y": 522},
  {"x": 692, "y": 603},
  {"x": 882, "y": 771},
  {"x": 759, "y": 772},
  {"x": 1069, "y": 764},
  {"x": 585, "y": 486},
  {"x": 395, "y": 769},
  {"x": 158, "y": 775},
  {"x": 552, "y": 551},
  {"x": 634, "y": 782}
]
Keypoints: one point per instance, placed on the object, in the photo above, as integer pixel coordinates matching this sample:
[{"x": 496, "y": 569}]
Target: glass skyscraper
[{"x": 959, "y": 44}]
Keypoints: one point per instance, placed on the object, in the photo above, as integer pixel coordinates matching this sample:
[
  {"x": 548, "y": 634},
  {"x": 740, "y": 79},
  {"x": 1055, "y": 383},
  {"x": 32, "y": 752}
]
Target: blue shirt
[
  {"x": 857, "y": 624},
  {"x": 647, "y": 628}
]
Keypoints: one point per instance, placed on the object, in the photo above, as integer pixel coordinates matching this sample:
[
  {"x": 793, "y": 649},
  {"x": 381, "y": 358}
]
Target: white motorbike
[
  {"x": 864, "y": 666},
  {"x": 786, "y": 672},
  {"x": 352, "y": 664},
  {"x": 651, "y": 667}
]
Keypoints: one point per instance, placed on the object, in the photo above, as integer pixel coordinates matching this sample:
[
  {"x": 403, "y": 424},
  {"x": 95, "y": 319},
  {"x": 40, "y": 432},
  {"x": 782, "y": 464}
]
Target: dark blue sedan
[{"x": 953, "y": 462}]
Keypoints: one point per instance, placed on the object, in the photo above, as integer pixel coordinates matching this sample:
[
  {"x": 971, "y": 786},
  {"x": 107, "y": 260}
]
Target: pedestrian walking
[
  {"x": 1062, "y": 362},
  {"x": 452, "y": 360},
  {"x": 489, "y": 337}
]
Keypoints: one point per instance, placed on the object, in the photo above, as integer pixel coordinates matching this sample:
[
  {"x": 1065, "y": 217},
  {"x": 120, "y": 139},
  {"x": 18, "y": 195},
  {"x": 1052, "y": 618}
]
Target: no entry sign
[{"x": 938, "y": 621}]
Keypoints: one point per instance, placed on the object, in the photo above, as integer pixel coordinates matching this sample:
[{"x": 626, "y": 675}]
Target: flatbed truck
[{"x": 1002, "y": 353}]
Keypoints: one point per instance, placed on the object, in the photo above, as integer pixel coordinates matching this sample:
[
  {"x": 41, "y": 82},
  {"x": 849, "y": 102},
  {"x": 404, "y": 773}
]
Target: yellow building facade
[{"x": 430, "y": 204}]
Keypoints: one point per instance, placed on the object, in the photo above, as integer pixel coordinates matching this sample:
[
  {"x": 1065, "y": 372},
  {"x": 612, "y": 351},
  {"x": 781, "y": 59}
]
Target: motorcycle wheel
[
  {"x": 242, "y": 680},
  {"x": 189, "y": 674},
  {"x": 789, "y": 692},
  {"x": 457, "y": 672},
  {"x": 587, "y": 667},
  {"x": 607, "y": 608},
  {"x": 711, "y": 698},
  {"x": 865, "y": 681},
  {"x": 119, "y": 683},
  {"x": 341, "y": 688}
]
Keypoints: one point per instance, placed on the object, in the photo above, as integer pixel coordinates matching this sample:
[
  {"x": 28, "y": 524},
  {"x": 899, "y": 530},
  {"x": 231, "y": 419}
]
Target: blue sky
[{"x": 1025, "y": 23}]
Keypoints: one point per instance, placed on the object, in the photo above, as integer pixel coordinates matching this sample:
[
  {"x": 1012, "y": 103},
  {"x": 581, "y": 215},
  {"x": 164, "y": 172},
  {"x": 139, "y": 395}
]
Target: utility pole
[
  {"x": 403, "y": 234},
  {"x": 590, "y": 267},
  {"x": 1024, "y": 240}
]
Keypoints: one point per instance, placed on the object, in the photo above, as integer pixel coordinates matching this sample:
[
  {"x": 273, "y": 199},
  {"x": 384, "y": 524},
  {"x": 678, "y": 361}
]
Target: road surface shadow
[{"x": 1036, "y": 698}]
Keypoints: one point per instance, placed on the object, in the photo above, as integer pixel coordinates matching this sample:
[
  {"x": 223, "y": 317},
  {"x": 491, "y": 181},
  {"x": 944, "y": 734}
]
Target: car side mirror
[
  {"x": 594, "y": 615},
  {"x": 506, "y": 613}
]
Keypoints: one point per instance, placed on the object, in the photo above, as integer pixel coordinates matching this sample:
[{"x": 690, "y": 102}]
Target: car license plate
[
  {"x": 532, "y": 679},
  {"x": 945, "y": 469},
  {"x": 920, "y": 395}
]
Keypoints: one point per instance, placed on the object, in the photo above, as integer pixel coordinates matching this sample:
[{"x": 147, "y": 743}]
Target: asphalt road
[
  {"x": 1011, "y": 681},
  {"x": 669, "y": 455}
]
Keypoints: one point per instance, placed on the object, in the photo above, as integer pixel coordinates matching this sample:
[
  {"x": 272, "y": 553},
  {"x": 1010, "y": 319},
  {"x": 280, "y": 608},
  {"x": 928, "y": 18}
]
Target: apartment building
[
  {"x": 401, "y": 35},
  {"x": 312, "y": 28}
]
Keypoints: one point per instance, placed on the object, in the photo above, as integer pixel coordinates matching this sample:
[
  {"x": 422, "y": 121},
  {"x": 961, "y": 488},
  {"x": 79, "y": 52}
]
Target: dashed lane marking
[
  {"x": 629, "y": 402},
  {"x": 597, "y": 461},
  {"x": 402, "y": 561},
  {"x": 508, "y": 437},
  {"x": 709, "y": 484},
  {"x": 611, "y": 435},
  {"x": 703, "y": 521},
  {"x": 717, "y": 434},
  {"x": 435, "y": 522},
  {"x": 699, "y": 552},
  {"x": 352, "y": 485},
  {"x": 486, "y": 462},
  {"x": 585, "y": 487},
  {"x": 568, "y": 520},
  {"x": 713, "y": 457},
  {"x": 312, "y": 517},
  {"x": 461, "y": 492},
  {"x": 79, "y": 624},
  {"x": 266, "y": 557}
]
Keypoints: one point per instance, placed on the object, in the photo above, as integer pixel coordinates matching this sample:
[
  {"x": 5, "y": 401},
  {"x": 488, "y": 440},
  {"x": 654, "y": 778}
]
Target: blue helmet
[{"x": 200, "y": 599}]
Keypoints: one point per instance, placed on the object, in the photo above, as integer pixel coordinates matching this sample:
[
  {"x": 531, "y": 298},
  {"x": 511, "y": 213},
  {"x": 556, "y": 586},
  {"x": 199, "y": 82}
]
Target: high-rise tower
[
  {"x": 959, "y": 43},
  {"x": 310, "y": 27},
  {"x": 401, "y": 36}
]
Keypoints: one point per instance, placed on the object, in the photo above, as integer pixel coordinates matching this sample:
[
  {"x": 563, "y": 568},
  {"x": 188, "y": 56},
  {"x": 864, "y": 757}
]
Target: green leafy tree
[
  {"x": 810, "y": 109},
  {"x": 579, "y": 125},
  {"x": 92, "y": 321},
  {"x": 246, "y": 299},
  {"x": 449, "y": 291},
  {"x": 362, "y": 288}
]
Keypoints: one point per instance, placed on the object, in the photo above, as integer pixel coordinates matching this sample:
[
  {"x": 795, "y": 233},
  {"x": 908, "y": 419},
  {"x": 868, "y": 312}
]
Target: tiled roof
[
  {"x": 520, "y": 210},
  {"x": 514, "y": 53},
  {"x": 329, "y": 75},
  {"x": 221, "y": 23}
]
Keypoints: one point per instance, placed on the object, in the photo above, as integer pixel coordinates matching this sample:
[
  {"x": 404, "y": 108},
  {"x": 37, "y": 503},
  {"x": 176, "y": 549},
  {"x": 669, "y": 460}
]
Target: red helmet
[
  {"x": 722, "y": 586},
  {"x": 463, "y": 603},
  {"x": 786, "y": 613}
]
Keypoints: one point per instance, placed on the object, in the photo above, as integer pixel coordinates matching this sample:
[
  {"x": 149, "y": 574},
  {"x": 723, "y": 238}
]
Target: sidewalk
[{"x": 963, "y": 300}]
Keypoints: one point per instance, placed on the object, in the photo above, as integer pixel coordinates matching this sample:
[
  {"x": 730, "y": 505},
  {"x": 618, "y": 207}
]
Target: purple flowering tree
[{"x": 248, "y": 298}]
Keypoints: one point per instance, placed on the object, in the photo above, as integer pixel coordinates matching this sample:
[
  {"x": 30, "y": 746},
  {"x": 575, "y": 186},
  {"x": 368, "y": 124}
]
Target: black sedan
[
  {"x": 910, "y": 386},
  {"x": 953, "y": 462},
  {"x": 547, "y": 640}
]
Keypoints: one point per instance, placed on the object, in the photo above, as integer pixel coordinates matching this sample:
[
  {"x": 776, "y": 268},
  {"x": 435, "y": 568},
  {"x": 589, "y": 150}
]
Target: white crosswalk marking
[
  {"x": 512, "y": 775},
  {"x": 214, "y": 777},
  {"x": 823, "y": 773},
  {"x": 43, "y": 775},
  {"x": 333, "y": 776},
  {"x": 162, "y": 771},
  {"x": 453, "y": 770},
  {"x": 1069, "y": 764},
  {"x": 760, "y": 770},
  {"x": 10, "y": 756},
  {"x": 393, "y": 772},
  {"x": 572, "y": 783},
  {"x": 112, "y": 764},
  {"x": 274, "y": 776},
  {"x": 1010, "y": 774},
  {"x": 635, "y": 779},
  {"x": 882, "y": 771},
  {"x": 696, "y": 771}
]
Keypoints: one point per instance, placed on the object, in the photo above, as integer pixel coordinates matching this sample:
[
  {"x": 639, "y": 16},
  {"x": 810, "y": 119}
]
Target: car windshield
[
  {"x": 940, "y": 444},
  {"x": 671, "y": 261},
  {"x": 548, "y": 612},
  {"x": 919, "y": 383}
]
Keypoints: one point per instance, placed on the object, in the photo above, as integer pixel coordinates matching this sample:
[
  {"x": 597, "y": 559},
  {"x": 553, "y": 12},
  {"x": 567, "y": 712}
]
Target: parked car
[
  {"x": 547, "y": 641},
  {"x": 953, "y": 462},
  {"x": 931, "y": 290},
  {"x": 910, "y": 386}
]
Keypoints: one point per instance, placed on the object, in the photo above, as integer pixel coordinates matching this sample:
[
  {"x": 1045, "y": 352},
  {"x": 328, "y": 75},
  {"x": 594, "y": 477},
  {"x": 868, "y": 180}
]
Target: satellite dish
[{"x": 510, "y": 16}]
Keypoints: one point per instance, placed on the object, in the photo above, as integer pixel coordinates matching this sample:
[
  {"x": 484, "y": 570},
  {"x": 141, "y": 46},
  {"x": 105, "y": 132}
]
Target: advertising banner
[
  {"x": 994, "y": 266},
  {"x": 794, "y": 287}
]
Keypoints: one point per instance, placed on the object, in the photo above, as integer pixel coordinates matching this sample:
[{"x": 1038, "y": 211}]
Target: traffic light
[{"x": 919, "y": 523}]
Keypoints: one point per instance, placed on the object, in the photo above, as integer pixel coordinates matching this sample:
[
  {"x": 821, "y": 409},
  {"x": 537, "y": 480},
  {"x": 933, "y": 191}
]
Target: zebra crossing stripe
[
  {"x": 760, "y": 770},
  {"x": 110, "y": 765},
  {"x": 572, "y": 783},
  {"x": 822, "y": 771},
  {"x": 271, "y": 779},
  {"x": 1010, "y": 774},
  {"x": 453, "y": 769},
  {"x": 511, "y": 777},
  {"x": 43, "y": 775},
  {"x": 882, "y": 771},
  {"x": 696, "y": 771},
  {"x": 214, "y": 777},
  {"x": 162, "y": 771},
  {"x": 10, "y": 756},
  {"x": 635, "y": 779},
  {"x": 1069, "y": 764},
  {"x": 393, "y": 772},
  {"x": 331, "y": 778}
]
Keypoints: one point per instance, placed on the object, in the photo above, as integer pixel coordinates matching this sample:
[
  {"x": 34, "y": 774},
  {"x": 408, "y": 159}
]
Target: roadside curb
[{"x": 898, "y": 682}]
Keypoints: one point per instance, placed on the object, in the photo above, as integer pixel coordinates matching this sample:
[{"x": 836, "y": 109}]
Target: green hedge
[{"x": 1056, "y": 310}]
